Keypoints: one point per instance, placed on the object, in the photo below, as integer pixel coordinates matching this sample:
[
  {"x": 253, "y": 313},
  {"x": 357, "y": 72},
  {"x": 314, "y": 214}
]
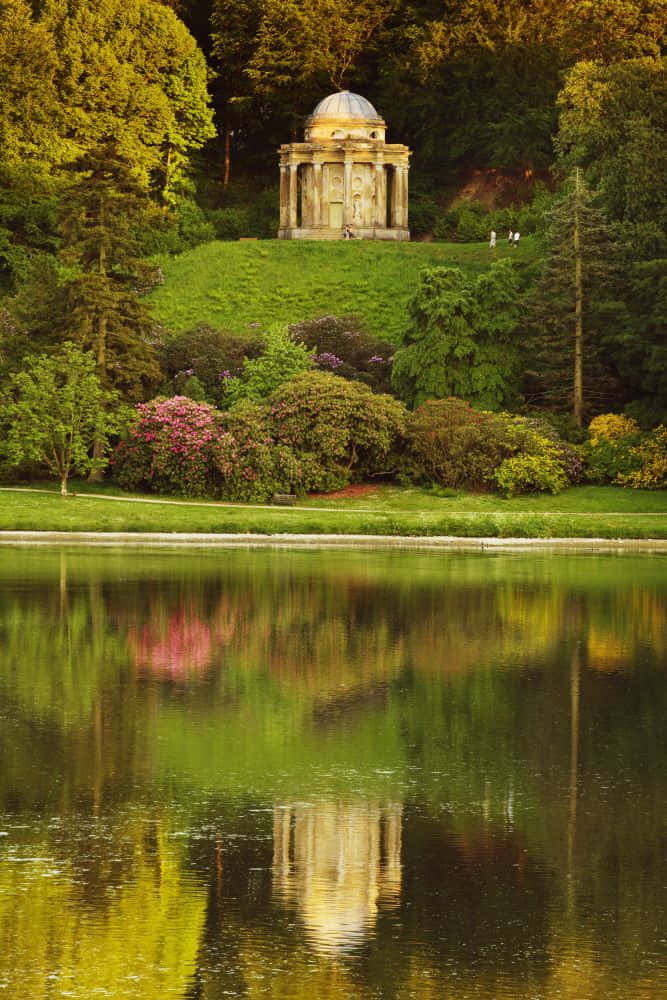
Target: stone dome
[{"x": 344, "y": 105}]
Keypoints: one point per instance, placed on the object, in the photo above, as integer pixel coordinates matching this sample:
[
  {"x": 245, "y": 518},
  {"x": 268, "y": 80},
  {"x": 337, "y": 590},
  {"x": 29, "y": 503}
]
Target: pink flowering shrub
[
  {"x": 170, "y": 448},
  {"x": 250, "y": 463},
  {"x": 179, "y": 446}
]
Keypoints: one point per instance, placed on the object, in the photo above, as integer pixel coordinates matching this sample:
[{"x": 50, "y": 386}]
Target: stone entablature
[{"x": 344, "y": 175}]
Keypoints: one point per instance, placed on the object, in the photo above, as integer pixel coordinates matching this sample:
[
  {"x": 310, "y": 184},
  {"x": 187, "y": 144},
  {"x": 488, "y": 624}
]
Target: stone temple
[{"x": 344, "y": 175}]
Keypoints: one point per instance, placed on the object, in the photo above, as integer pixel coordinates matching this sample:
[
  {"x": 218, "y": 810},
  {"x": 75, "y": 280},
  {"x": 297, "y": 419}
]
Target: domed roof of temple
[{"x": 345, "y": 104}]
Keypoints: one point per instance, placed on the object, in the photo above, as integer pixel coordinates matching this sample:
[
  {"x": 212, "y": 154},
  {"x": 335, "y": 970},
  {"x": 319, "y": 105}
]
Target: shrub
[
  {"x": 455, "y": 446},
  {"x": 341, "y": 431},
  {"x": 651, "y": 454},
  {"x": 611, "y": 451},
  {"x": 611, "y": 427},
  {"x": 231, "y": 223},
  {"x": 344, "y": 347},
  {"x": 528, "y": 473},
  {"x": 168, "y": 449},
  {"x": 250, "y": 464},
  {"x": 209, "y": 355}
]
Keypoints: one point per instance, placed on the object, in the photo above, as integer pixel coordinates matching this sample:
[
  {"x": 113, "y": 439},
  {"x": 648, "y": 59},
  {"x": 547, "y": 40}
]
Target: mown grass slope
[{"x": 233, "y": 285}]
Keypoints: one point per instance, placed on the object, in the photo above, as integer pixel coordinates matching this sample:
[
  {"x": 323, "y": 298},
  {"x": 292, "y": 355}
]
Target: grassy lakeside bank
[
  {"x": 581, "y": 512},
  {"x": 232, "y": 285}
]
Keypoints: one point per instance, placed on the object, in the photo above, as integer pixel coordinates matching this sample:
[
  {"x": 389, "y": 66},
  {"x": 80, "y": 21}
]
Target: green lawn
[
  {"x": 583, "y": 512},
  {"x": 231, "y": 285}
]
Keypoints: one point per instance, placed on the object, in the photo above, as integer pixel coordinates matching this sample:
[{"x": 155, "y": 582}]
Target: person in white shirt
[
  {"x": 516, "y": 239},
  {"x": 492, "y": 241}
]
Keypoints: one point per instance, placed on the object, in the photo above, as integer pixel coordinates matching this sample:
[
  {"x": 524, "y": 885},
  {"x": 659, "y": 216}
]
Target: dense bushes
[
  {"x": 342, "y": 430},
  {"x": 210, "y": 356},
  {"x": 168, "y": 449},
  {"x": 318, "y": 432},
  {"x": 472, "y": 222},
  {"x": 618, "y": 452},
  {"x": 453, "y": 445}
]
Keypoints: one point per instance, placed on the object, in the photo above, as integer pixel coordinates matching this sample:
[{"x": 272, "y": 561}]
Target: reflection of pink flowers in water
[{"x": 176, "y": 652}]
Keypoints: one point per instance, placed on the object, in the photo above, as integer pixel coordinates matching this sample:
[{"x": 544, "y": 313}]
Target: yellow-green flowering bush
[
  {"x": 651, "y": 453},
  {"x": 539, "y": 471},
  {"x": 610, "y": 453},
  {"x": 611, "y": 427}
]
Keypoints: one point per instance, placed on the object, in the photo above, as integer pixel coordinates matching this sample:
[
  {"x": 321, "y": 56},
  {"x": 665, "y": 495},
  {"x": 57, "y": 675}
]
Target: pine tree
[
  {"x": 101, "y": 216},
  {"x": 573, "y": 297}
]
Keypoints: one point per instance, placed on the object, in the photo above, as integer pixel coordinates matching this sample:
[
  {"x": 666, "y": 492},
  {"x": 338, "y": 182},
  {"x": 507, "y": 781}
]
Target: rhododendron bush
[
  {"x": 179, "y": 446},
  {"x": 341, "y": 431},
  {"x": 169, "y": 448}
]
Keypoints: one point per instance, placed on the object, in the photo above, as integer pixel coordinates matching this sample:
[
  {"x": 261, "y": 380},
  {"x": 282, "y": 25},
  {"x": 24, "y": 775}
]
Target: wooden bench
[{"x": 284, "y": 499}]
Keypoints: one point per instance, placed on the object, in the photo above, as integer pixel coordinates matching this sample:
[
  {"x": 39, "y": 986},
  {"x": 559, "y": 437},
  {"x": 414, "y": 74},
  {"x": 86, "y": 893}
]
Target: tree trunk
[
  {"x": 63, "y": 485},
  {"x": 228, "y": 148},
  {"x": 96, "y": 474},
  {"x": 578, "y": 309}
]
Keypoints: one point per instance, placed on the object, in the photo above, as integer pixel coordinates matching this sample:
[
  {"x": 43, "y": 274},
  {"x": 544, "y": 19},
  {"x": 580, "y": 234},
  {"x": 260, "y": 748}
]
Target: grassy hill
[{"x": 232, "y": 285}]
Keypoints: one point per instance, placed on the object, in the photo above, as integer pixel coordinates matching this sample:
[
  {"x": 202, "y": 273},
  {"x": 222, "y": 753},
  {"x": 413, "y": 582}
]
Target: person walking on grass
[
  {"x": 510, "y": 238},
  {"x": 492, "y": 241},
  {"x": 516, "y": 239}
]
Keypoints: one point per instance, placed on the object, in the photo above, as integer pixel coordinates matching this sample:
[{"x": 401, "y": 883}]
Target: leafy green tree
[
  {"x": 129, "y": 69},
  {"x": 572, "y": 303},
  {"x": 282, "y": 358},
  {"x": 485, "y": 75},
  {"x": 332, "y": 35},
  {"x": 234, "y": 27},
  {"x": 461, "y": 338},
  {"x": 613, "y": 125},
  {"x": 55, "y": 411}
]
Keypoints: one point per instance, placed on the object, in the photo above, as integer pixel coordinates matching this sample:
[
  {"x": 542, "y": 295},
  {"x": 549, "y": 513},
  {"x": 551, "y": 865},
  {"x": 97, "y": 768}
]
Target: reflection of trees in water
[
  {"x": 135, "y": 936},
  {"x": 469, "y": 691},
  {"x": 337, "y": 864}
]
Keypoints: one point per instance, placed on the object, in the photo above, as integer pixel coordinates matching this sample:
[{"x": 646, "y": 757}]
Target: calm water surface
[{"x": 332, "y": 774}]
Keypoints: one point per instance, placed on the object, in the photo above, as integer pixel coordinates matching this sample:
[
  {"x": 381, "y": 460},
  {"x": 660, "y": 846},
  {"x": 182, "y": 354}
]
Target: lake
[{"x": 332, "y": 774}]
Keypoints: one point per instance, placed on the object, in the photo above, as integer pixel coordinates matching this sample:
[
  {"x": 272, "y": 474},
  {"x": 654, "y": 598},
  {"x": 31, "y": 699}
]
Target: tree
[
  {"x": 460, "y": 341},
  {"x": 234, "y": 27},
  {"x": 101, "y": 215},
  {"x": 282, "y": 358},
  {"x": 573, "y": 299},
  {"x": 613, "y": 125},
  {"x": 130, "y": 70},
  {"x": 54, "y": 413}
]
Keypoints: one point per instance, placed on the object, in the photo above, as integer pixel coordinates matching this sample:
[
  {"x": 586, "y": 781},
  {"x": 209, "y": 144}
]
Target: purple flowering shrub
[
  {"x": 169, "y": 448},
  {"x": 344, "y": 347}
]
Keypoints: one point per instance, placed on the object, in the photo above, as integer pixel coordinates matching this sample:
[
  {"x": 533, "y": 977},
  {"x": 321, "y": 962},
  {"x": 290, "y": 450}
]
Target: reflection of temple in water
[{"x": 337, "y": 864}]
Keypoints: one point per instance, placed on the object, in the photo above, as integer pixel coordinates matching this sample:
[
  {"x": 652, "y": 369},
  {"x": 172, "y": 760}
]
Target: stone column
[
  {"x": 347, "y": 193},
  {"x": 399, "y": 198},
  {"x": 293, "y": 178},
  {"x": 380, "y": 220},
  {"x": 284, "y": 196},
  {"x": 317, "y": 193},
  {"x": 403, "y": 202}
]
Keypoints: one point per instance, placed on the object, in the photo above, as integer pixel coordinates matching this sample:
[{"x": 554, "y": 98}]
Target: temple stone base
[{"x": 326, "y": 233}]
